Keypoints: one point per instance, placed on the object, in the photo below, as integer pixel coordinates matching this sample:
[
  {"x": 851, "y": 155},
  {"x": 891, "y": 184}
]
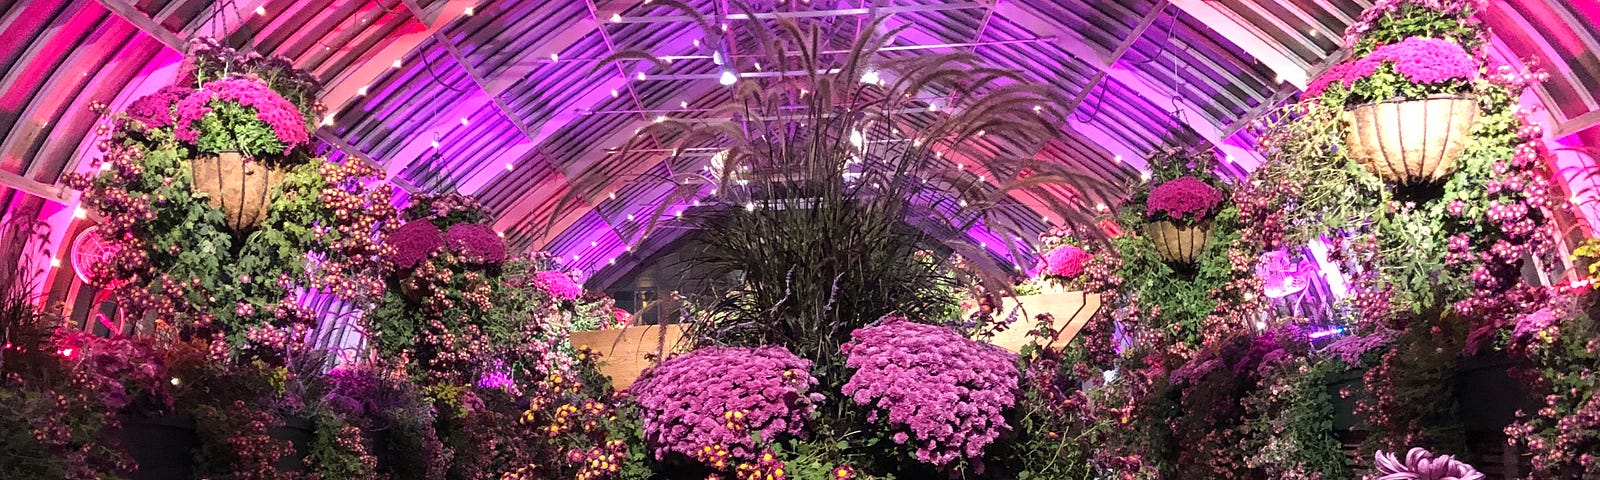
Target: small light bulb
[
  {"x": 593, "y": 243},
  {"x": 464, "y": 121},
  {"x": 614, "y": 93},
  {"x": 55, "y": 262},
  {"x": 728, "y": 78},
  {"x": 616, "y": 18},
  {"x": 501, "y": 234},
  {"x": 612, "y": 261},
  {"x": 555, "y": 57},
  {"x": 750, "y": 206},
  {"x": 510, "y": 167},
  {"x": 641, "y": 76},
  {"x": 396, "y": 63},
  {"x": 261, "y": 10},
  {"x": 435, "y": 144},
  {"x": 871, "y": 76},
  {"x": 362, "y": 91},
  {"x": 468, "y": 11},
  {"x": 80, "y": 213}
]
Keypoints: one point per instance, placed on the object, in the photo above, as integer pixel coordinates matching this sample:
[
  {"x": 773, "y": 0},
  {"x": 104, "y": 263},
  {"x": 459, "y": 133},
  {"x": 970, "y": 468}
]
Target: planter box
[
  {"x": 624, "y": 350},
  {"x": 1072, "y": 310}
]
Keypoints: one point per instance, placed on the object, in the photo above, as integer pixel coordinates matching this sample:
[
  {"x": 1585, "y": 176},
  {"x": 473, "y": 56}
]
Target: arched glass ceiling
[{"x": 505, "y": 99}]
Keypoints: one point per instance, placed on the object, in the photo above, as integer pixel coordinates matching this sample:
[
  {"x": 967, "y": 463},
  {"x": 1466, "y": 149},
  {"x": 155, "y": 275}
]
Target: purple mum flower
[
  {"x": 476, "y": 243},
  {"x": 1183, "y": 197},
  {"x": 413, "y": 243},
  {"x": 712, "y": 398},
  {"x": 558, "y": 284},
  {"x": 271, "y": 109},
  {"x": 155, "y": 110}
]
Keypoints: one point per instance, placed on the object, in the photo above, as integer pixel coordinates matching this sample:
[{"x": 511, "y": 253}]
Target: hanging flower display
[
  {"x": 1065, "y": 263},
  {"x": 1178, "y": 215}
]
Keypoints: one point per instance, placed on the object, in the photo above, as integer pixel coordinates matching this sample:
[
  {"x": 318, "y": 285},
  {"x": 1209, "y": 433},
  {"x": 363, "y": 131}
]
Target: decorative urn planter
[
  {"x": 1411, "y": 142},
  {"x": 239, "y": 187},
  {"x": 1178, "y": 244}
]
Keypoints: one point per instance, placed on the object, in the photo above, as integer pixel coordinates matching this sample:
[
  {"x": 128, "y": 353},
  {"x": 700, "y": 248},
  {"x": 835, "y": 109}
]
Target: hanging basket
[
  {"x": 241, "y": 189},
  {"x": 1411, "y": 142},
  {"x": 1178, "y": 244}
]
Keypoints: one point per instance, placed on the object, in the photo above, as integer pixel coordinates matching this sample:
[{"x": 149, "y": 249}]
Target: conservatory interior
[{"x": 799, "y": 239}]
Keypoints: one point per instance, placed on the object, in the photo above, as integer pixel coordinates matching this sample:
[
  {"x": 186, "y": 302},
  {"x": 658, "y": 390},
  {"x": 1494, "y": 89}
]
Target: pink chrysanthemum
[
  {"x": 155, "y": 110},
  {"x": 271, "y": 109},
  {"x": 413, "y": 243},
  {"x": 715, "y": 397},
  {"x": 943, "y": 394},
  {"x": 1183, "y": 198},
  {"x": 1065, "y": 262},
  {"x": 476, "y": 243},
  {"x": 558, "y": 284}
]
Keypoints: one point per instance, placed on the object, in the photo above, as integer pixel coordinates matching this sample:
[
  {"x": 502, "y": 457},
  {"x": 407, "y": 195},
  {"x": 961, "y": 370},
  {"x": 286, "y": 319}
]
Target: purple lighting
[{"x": 1326, "y": 333}]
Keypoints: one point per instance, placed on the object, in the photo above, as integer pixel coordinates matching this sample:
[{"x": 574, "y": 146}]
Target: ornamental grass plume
[
  {"x": 1184, "y": 199},
  {"x": 942, "y": 393},
  {"x": 706, "y": 403},
  {"x": 476, "y": 243},
  {"x": 413, "y": 243},
  {"x": 1420, "y": 464}
]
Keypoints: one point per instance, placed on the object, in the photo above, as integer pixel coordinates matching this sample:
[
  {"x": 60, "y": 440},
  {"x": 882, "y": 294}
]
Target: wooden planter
[
  {"x": 241, "y": 189},
  {"x": 624, "y": 350},
  {"x": 1178, "y": 244},
  {"x": 1071, "y": 310},
  {"x": 1411, "y": 142}
]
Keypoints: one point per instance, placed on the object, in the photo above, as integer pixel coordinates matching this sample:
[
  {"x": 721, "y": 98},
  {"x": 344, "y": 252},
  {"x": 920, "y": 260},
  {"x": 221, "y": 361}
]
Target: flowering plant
[
  {"x": 936, "y": 391},
  {"x": 1184, "y": 199},
  {"x": 1421, "y": 464},
  {"x": 1064, "y": 263},
  {"x": 242, "y": 115},
  {"x": 558, "y": 284},
  {"x": 1412, "y": 69},
  {"x": 1390, "y": 21},
  {"x": 706, "y": 404},
  {"x": 157, "y": 110},
  {"x": 476, "y": 243},
  {"x": 210, "y": 59},
  {"x": 412, "y": 243}
]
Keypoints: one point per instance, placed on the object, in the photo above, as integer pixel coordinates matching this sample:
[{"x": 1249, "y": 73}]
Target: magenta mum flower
[
  {"x": 1422, "y": 60},
  {"x": 558, "y": 284},
  {"x": 1065, "y": 261},
  {"x": 1183, "y": 198},
  {"x": 941, "y": 392},
  {"x": 1420, "y": 464},
  {"x": 155, "y": 110},
  {"x": 716, "y": 397},
  {"x": 271, "y": 109},
  {"x": 413, "y": 243},
  {"x": 476, "y": 243}
]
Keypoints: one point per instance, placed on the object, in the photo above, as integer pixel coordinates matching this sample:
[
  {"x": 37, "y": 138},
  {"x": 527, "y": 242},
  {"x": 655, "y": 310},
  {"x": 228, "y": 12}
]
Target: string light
[
  {"x": 396, "y": 63},
  {"x": 616, "y": 18},
  {"x": 871, "y": 76},
  {"x": 468, "y": 11},
  {"x": 261, "y": 11},
  {"x": 555, "y": 57},
  {"x": 728, "y": 78}
]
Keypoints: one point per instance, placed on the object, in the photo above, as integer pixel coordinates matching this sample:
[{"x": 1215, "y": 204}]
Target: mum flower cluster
[
  {"x": 1183, "y": 199},
  {"x": 476, "y": 243},
  {"x": 705, "y": 404},
  {"x": 155, "y": 110},
  {"x": 942, "y": 391},
  {"x": 412, "y": 243},
  {"x": 557, "y": 284},
  {"x": 1065, "y": 262},
  {"x": 1420, "y": 60},
  {"x": 272, "y": 111}
]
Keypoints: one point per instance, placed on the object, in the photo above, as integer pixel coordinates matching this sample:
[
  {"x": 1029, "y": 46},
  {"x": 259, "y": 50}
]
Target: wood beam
[{"x": 1577, "y": 124}]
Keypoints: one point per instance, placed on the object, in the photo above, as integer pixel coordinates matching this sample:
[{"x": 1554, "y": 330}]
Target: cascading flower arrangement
[
  {"x": 321, "y": 229},
  {"x": 475, "y": 243},
  {"x": 558, "y": 284},
  {"x": 706, "y": 404},
  {"x": 940, "y": 394}
]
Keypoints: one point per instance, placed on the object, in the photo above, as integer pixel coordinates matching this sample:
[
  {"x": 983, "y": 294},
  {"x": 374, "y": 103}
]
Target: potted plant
[
  {"x": 242, "y": 137},
  {"x": 1408, "y": 93},
  {"x": 1178, "y": 217}
]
